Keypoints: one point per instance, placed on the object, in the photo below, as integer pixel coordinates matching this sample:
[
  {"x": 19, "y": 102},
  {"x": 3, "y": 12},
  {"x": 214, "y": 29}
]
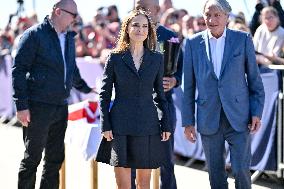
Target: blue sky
[{"x": 88, "y": 7}]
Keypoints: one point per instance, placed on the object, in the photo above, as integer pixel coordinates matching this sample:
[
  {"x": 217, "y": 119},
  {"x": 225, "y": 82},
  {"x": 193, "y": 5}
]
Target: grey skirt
[{"x": 139, "y": 152}]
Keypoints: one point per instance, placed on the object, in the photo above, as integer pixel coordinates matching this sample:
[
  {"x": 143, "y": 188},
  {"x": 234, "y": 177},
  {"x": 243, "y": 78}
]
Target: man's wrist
[{"x": 22, "y": 105}]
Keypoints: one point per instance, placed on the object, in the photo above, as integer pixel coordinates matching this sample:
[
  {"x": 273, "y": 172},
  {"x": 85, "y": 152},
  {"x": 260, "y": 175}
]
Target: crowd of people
[
  {"x": 95, "y": 38},
  {"x": 217, "y": 48}
]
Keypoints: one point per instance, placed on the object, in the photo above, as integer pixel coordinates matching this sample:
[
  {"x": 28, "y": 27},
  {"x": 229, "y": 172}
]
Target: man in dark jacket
[{"x": 44, "y": 71}]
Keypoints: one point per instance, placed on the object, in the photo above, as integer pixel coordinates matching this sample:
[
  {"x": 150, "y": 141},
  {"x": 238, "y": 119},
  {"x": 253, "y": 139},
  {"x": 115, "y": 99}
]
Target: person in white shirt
[{"x": 220, "y": 63}]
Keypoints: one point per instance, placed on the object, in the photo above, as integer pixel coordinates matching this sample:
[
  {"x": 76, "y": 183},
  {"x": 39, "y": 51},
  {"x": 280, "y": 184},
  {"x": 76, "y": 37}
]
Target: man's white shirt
[{"x": 217, "y": 51}]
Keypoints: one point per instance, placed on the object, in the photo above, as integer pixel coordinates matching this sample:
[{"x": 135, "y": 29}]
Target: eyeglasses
[
  {"x": 74, "y": 15},
  {"x": 269, "y": 17}
]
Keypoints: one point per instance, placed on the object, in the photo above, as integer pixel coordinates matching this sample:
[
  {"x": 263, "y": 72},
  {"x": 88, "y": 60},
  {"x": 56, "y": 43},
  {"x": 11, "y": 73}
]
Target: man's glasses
[{"x": 73, "y": 14}]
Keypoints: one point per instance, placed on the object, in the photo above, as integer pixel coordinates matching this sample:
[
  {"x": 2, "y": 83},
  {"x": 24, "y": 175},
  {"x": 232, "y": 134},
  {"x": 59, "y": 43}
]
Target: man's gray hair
[{"x": 222, "y": 5}]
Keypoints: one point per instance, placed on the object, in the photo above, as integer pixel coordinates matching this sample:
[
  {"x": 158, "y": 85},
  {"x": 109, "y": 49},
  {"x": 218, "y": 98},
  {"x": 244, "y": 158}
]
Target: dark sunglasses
[{"x": 73, "y": 14}]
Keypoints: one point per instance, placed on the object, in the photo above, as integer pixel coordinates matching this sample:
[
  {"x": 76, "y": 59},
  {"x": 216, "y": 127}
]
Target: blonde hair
[{"x": 123, "y": 42}]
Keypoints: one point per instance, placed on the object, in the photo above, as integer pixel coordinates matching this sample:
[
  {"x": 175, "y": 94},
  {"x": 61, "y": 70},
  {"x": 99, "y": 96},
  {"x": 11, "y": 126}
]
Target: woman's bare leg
[
  {"x": 143, "y": 178},
  {"x": 123, "y": 177}
]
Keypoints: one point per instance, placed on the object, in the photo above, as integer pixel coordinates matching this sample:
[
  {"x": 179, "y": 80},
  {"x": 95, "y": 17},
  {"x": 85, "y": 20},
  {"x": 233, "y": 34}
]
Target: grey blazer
[
  {"x": 239, "y": 89},
  {"x": 134, "y": 110}
]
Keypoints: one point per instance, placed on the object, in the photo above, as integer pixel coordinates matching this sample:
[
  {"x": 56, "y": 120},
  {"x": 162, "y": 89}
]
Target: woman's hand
[
  {"x": 166, "y": 136},
  {"x": 275, "y": 59},
  {"x": 261, "y": 59},
  {"x": 108, "y": 135}
]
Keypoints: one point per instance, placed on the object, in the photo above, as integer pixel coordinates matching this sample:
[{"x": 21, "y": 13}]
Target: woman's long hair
[{"x": 123, "y": 42}]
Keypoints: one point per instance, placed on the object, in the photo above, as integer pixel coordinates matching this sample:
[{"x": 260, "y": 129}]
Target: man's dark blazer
[
  {"x": 133, "y": 111},
  {"x": 38, "y": 70}
]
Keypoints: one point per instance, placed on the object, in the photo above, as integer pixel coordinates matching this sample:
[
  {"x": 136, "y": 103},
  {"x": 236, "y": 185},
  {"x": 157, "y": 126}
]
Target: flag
[
  {"x": 83, "y": 131},
  {"x": 84, "y": 110}
]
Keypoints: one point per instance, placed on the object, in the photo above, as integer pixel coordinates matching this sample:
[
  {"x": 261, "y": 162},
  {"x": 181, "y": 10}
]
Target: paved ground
[{"x": 78, "y": 170}]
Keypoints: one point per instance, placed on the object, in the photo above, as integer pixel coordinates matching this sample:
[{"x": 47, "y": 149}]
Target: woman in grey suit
[{"x": 134, "y": 137}]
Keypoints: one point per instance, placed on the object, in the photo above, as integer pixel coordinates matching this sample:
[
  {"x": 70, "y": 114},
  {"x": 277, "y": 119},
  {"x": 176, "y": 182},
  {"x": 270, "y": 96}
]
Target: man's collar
[
  {"x": 223, "y": 35},
  {"x": 53, "y": 27},
  {"x": 51, "y": 24}
]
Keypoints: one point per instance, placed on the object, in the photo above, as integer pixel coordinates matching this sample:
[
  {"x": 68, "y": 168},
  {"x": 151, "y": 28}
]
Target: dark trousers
[
  {"x": 45, "y": 131},
  {"x": 168, "y": 179},
  {"x": 240, "y": 154}
]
